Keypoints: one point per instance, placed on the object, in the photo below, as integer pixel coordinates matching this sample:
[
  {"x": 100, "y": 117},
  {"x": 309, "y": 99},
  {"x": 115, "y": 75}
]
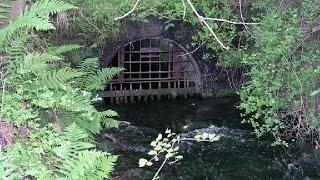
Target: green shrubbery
[
  {"x": 284, "y": 72},
  {"x": 47, "y": 118}
]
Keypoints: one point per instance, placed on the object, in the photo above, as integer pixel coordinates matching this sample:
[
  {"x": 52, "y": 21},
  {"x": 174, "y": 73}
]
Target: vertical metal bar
[
  {"x": 140, "y": 66},
  {"x": 130, "y": 63},
  {"x": 121, "y": 64}
]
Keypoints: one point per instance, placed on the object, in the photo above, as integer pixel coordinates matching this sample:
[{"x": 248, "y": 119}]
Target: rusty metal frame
[{"x": 153, "y": 70}]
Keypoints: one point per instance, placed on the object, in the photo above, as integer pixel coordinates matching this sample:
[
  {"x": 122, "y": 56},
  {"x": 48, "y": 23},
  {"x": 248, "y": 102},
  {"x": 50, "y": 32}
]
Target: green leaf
[
  {"x": 159, "y": 137},
  {"x": 153, "y": 143},
  {"x": 204, "y": 136},
  {"x": 179, "y": 157},
  {"x": 149, "y": 163},
  {"x": 142, "y": 162},
  {"x": 152, "y": 152}
]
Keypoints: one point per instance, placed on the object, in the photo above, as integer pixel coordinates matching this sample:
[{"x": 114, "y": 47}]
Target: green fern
[
  {"x": 91, "y": 125},
  {"x": 89, "y": 65},
  {"x": 42, "y": 82},
  {"x": 77, "y": 161},
  {"x": 57, "y": 78},
  {"x": 16, "y": 49},
  {"x": 58, "y": 50},
  {"x": 35, "y": 17},
  {"x": 109, "y": 120},
  {"x": 33, "y": 62},
  {"x": 7, "y": 170},
  {"x": 96, "y": 78},
  {"x": 4, "y": 8},
  {"x": 90, "y": 121},
  {"x": 96, "y": 82}
]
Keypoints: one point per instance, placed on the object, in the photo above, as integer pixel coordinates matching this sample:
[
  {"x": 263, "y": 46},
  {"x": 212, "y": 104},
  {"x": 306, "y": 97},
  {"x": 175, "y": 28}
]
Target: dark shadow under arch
[{"x": 154, "y": 66}]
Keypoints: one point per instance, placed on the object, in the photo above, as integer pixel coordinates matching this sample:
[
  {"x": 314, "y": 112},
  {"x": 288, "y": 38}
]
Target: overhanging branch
[
  {"x": 202, "y": 20},
  {"x": 129, "y": 12}
]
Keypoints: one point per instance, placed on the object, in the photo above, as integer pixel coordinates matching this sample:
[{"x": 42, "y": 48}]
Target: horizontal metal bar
[
  {"x": 152, "y": 79},
  {"x": 133, "y": 62},
  {"x": 156, "y": 72},
  {"x": 152, "y": 51},
  {"x": 145, "y": 92}
]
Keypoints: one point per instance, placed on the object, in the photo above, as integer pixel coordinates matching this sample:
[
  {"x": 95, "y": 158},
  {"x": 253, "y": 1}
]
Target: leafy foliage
[
  {"x": 47, "y": 154},
  {"x": 58, "y": 50},
  {"x": 77, "y": 162},
  {"x": 34, "y": 17},
  {"x": 95, "y": 78},
  {"x": 284, "y": 72},
  {"x": 4, "y": 8},
  {"x": 43, "y": 98},
  {"x": 95, "y": 20},
  {"x": 7, "y": 170},
  {"x": 169, "y": 148}
]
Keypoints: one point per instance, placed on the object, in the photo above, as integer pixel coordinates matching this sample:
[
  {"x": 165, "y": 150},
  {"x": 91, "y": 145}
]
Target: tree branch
[
  {"x": 228, "y": 21},
  {"x": 203, "y": 20},
  {"x": 158, "y": 171},
  {"x": 184, "y": 9},
  {"x": 193, "y": 50},
  {"x": 240, "y": 8},
  {"x": 129, "y": 12}
]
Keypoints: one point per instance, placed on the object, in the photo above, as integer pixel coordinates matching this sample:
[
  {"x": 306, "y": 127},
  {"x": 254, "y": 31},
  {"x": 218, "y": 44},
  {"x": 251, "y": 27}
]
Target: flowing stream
[{"x": 237, "y": 155}]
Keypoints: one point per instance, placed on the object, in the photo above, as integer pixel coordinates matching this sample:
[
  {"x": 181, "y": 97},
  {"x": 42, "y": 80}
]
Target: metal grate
[{"x": 152, "y": 64}]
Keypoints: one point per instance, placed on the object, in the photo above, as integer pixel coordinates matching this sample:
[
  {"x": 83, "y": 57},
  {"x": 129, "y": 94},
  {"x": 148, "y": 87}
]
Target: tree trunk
[{"x": 16, "y": 7}]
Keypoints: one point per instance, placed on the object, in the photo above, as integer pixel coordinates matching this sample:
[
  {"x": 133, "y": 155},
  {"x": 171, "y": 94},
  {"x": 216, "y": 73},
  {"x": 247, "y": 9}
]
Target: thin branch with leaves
[{"x": 169, "y": 148}]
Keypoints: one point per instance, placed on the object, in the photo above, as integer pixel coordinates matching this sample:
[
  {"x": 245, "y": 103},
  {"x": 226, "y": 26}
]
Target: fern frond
[
  {"x": 89, "y": 165},
  {"x": 107, "y": 118},
  {"x": 7, "y": 169},
  {"x": 44, "y": 8},
  {"x": 89, "y": 121},
  {"x": 58, "y": 50},
  {"x": 36, "y": 61},
  {"x": 109, "y": 113},
  {"x": 73, "y": 133},
  {"x": 95, "y": 78},
  {"x": 35, "y": 16},
  {"x": 90, "y": 124},
  {"x": 4, "y": 8},
  {"x": 16, "y": 50},
  {"x": 57, "y": 78},
  {"x": 90, "y": 65},
  {"x": 109, "y": 122},
  {"x": 96, "y": 82},
  {"x": 72, "y": 100},
  {"x": 77, "y": 161}
]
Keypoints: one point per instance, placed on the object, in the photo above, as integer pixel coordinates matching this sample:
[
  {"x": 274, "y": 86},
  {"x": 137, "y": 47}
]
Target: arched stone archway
[{"x": 154, "y": 66}]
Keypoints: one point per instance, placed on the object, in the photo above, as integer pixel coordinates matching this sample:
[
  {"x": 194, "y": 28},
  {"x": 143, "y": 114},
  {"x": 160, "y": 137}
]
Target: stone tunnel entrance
[{"x": 153, "y": 67}]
